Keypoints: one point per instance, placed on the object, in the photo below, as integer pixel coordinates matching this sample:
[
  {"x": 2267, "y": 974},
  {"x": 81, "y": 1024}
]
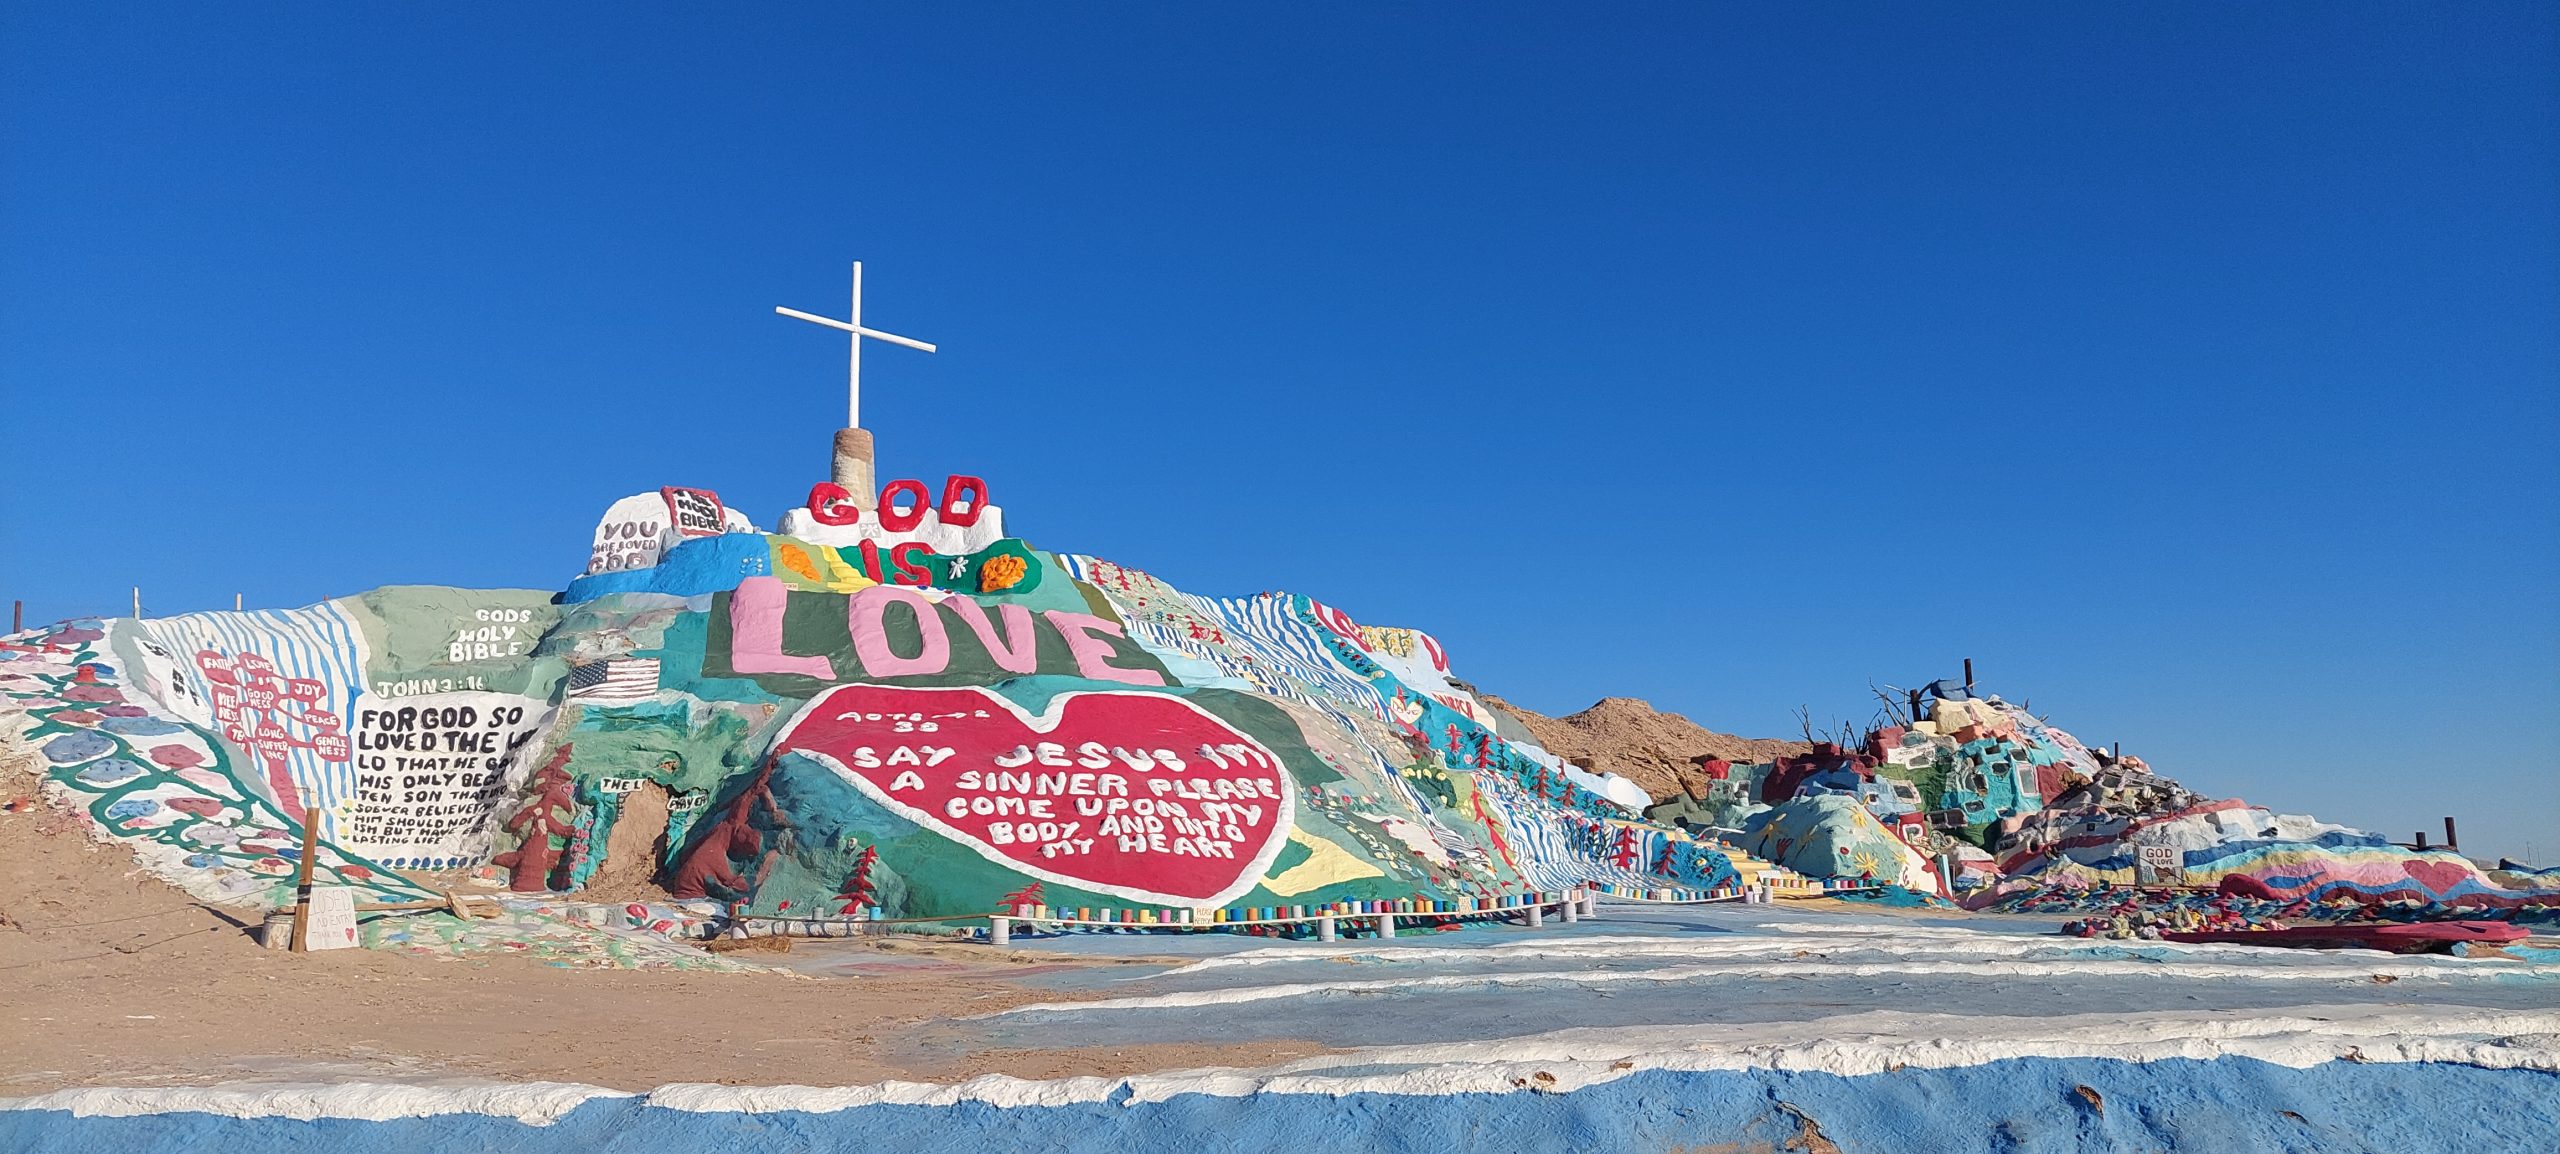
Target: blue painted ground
[{"x": 2021, "y": 1105}]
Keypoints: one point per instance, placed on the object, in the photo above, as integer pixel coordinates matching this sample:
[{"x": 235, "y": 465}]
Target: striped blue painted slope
[{"x": 2025, "y": 1106}]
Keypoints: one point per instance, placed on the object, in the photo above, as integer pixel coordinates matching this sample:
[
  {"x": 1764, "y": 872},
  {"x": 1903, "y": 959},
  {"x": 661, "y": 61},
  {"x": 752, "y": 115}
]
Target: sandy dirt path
[{"x": 110, "y": 977}]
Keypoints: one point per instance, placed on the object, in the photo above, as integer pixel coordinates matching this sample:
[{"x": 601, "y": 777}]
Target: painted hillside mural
[{"x": 892, "y": 709}]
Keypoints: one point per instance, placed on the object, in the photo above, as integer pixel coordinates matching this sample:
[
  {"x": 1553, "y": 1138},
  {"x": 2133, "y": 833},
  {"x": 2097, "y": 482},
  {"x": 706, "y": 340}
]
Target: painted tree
[
  {"x": 857, "y": 891},
  {"x": 714, "y": 862},
  {"x": 551, "y": 816},
  {"x": 1624, "y": 856},
  {"x": 1030, "y": 895}
]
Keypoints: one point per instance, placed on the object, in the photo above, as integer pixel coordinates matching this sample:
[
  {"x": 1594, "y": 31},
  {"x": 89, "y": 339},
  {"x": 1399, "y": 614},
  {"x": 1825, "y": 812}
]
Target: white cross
[{"x": 853, "y": 366}]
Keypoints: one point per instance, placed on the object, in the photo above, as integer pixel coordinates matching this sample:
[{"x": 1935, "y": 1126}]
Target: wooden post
[
  {"x": 2422, "y": 841},
  {"x": 1968, "y": 673},
  {"x": 17, "y": 617},
  {"x": 302, "y": 882},
  {"x": 2451, "y": 842},
  {"x": 1915, "y": 707}
]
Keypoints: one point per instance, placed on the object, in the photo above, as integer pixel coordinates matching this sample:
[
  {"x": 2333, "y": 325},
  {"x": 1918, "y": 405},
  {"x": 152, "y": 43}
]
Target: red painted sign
[
  {"x": 1139, "y": 795},
  {"x": 695, "y": 512},
  {"x": 902, "y": 504}
]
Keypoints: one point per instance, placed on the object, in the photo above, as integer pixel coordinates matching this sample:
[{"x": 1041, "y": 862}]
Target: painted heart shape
[
  {"x": 2441, "y": 878},
  {"x": 1143, "y": 796}
]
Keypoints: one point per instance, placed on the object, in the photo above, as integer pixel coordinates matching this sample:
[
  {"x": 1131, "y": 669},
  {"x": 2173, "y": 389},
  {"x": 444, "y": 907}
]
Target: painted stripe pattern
[
  {"x": 1278, "y": 643},
  {"x": 319, "y": 643}
]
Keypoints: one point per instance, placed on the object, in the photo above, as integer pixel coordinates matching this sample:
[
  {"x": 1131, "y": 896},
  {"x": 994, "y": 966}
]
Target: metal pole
[
  {"x": 1968, "y": 673},
  {"x": 17, "y": 617},
  {"x": 853, "y": 364}
]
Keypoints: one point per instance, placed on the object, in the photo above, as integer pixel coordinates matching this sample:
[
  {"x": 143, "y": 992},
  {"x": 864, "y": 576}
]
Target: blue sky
[{"x": 2191, "y": 368}]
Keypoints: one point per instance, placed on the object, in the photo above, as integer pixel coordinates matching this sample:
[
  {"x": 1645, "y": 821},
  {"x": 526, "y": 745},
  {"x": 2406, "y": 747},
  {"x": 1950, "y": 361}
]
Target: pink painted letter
[
  {"x": 755, "y": 632},
  {"x": 871, "y": 637},
  {"x": 1094, "y": 654},
  {"x": 1023, "y": 655}
]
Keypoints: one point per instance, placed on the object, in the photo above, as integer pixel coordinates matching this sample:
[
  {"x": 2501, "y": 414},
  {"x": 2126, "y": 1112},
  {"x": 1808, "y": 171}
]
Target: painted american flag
[{"x": 620, "y": 679}]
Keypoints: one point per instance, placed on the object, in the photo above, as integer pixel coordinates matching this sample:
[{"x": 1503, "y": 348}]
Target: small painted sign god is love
[{"x": 1143, "y": 796}]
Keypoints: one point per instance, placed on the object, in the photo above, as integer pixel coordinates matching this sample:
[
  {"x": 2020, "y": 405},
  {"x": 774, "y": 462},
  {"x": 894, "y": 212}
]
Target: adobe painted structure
[
  {"x": 894, "y": 709},
  {"x": 897, "y": 711}
]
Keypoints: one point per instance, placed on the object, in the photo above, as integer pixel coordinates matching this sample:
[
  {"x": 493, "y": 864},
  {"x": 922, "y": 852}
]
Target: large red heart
[
  {"x": 2440, "y": 877},
  {"x": 1143, "y": 796}
]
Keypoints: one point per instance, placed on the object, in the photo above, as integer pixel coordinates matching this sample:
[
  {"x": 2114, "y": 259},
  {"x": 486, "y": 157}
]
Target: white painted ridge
[
  {"x": 2385, "y": 971},
  {"x": 1561, "y": 1061},
  {"x": 533, "y": 1103}
]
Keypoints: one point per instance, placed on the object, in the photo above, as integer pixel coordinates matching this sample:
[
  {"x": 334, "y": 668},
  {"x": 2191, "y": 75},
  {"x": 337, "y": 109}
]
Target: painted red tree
[
  {"x": 857, "y": 891},
  {"x": 1624, "y": 857},
  {"x": 1029, "y": 895},
  {"x": 551, "y": 814},
  {"x": 733, "y": 839}
]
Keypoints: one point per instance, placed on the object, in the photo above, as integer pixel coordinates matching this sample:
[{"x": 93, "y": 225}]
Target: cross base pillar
[{"x": 853, "y": 466}]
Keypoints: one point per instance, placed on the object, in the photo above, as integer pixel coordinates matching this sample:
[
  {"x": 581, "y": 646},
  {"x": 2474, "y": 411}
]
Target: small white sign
[
  {"x": 638, "y": 530},
  {"x": 333, "y": 919}
]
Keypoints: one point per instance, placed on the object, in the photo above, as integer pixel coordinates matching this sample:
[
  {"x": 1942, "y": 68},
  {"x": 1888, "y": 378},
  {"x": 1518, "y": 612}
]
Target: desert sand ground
[{"x": 110, "y": 977}]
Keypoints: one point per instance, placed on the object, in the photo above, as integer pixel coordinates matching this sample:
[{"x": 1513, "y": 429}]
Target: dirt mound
[
  {"x": 66, "y": 901},
  {"x": 1632, "y": 739}
]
